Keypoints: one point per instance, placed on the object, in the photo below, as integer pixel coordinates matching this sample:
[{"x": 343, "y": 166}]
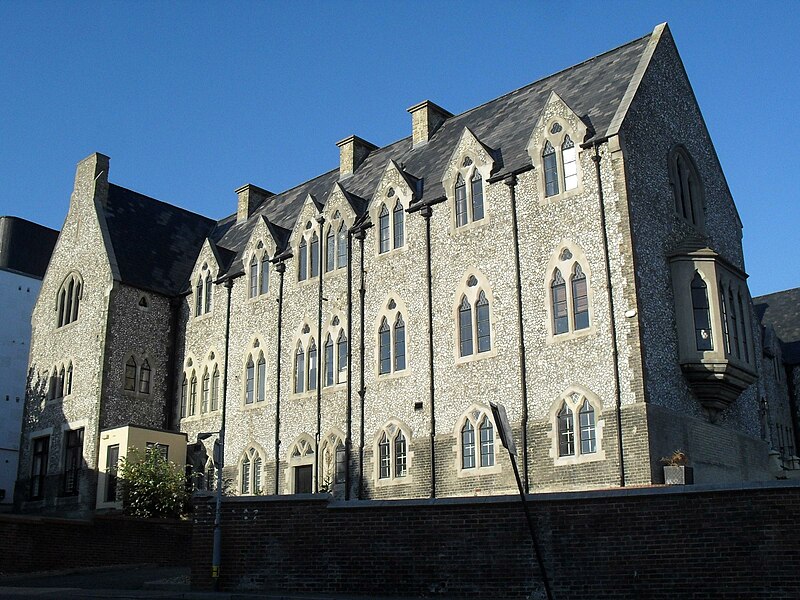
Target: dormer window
[
  {"x": 202, "y": 292},
  {"x": 560, "y": 168},
  {"x": 258, "y": 272},
  {"x": 391, "y": 223},
  {"x": 468, "y": 198},
  {"x": 308, "y": 254},
  {"x": 336, "y": 244}
]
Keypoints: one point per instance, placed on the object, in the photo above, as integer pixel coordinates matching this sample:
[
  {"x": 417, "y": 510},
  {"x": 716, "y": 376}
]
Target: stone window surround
[
  {"x": 472, "y": 293},
  {"x": 567, "y": 267},
  {"x": 190, "y": 364},
  {"x": 55, "y": 372},
  {"x": 298, "y": 461},
  {"x": 327, "y": 448},
  {"x": 304, "y": 339},
  {"x": 403, "y": 195},
  {"x": 393, "y": 480},
  {"x": 696, "y": 204},
  {"x": 577, "y": 135},
  {"x": 307, "y": 233},
  {"x": 485, "y": 170},
  {"x": 258, "y": 253},
  {"x": 334, "y": 223},
  {"x": 258, "y": 452},
  {"x": 254, "y": 350},
  {"x": 146, "y": 299},
  {"x": 391, "y": 317},
  {"x": 483, "y": 411},
  {"x": 202, "y": 276},
  {"x": 575, "y": 405},
  {"x": 139, "y": 359},
  {"x": 209, "y": 365}
]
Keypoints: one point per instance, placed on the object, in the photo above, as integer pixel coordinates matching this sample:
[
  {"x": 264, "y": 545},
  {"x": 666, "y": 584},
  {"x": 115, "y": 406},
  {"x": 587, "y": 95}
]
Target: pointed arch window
[
  {"x": 61, "y": 382},
  {"x": 702, "y": 317},
  {"x": 588, "y": 431},
  {"x": 330, "y": 250},
  {"x": 314, "y": 256},
  {"x": 487, "y": 443},
  {"x": 385, "y": 348},
  {"x": 559, "y": 295},
  {"x": 312, "y": 365},
  {"x": 246, "y": 475},
  {"x": 69, "y": 298},
  {"x": 264, "y": 274},
  {"x": 262, "y": 378},
  {"x": 198, "y": 298},
  {"x": 569, "y": 307},
  {"x": 329, "y": 361},
  {"x": 580, "y": 299},
  {"x": 302, "y": 261},
  {"x": 468, "y": 446},
  {"x": 687, "y": 187},
  {"x": 130, "y": 375},
  {"x": 566, "y": 431},
  {"x": 341, "y": 351},
  {"x": 205, "y": 392},
  {"x": 184, "y": 396},
  {"x": 400, "y": 455},
  {"x": 144, "y": 378},
  {"x": 461, "y": 201},
  {"x": 299, "y": 369},
  {"x": 392, "y": 454},
  {"x": 215, "y": 389},
  {"x": 577, "y": 428},
  {"x": 250, "y": 381},
  {"x": 477, "y": 196},
  {"x": 398, "y": 225},
  {"x": 570, "y": 158},
  {"x": 208, "y": 293},
  {"x": 341, "y": 247},
  {"x": 68, "y": 384},
  {"x": 474, "y": 320},
  {"x": 193, "y": 395},
  {"x": 383, "y": 229},
  {"x": 253, "y": 277},
  {"x": 399, "y": 343},
  {"x": 550, "y": 170},
  {"x": 465, "y": 327},
  {"x": 385, "y": 457}
]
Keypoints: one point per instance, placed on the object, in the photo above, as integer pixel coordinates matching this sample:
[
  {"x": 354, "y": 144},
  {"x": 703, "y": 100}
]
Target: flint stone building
[{"x": 570, "y": 250}]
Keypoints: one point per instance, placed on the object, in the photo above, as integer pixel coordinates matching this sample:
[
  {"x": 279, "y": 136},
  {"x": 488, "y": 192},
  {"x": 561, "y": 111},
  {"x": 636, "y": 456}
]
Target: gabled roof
[
  {"x": 598, "y": 90},
  {"x": 781, "y": 310},
  {"x": 155, "y": 243}
]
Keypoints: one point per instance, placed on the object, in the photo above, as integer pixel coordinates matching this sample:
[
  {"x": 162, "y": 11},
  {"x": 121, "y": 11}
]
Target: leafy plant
[
  {"x": 150, "y": 485},
  {"x": 676, "y": 459}
]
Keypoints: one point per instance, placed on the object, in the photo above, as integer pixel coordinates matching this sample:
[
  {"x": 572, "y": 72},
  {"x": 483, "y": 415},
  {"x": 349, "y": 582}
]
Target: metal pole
[
  {"x": 216, "y": 556},
  {"x": 536, "y": 550}
]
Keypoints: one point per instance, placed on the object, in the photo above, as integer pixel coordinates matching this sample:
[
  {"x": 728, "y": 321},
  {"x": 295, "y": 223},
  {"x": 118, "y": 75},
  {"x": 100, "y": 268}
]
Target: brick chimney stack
[
  {"x": 250, "y": 196},
  {"x": 426, "y": 118},
  {"x": 352, "y": 152}
]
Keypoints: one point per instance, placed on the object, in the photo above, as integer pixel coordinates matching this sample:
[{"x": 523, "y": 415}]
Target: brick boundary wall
[
  {"x": 639, "y": 543},
  {"x": 29, "y": 544}
]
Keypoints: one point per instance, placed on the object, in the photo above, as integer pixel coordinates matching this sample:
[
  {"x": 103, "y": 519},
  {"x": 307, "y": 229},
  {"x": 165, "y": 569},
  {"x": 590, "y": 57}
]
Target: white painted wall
[{"x": 17, "y": 296}]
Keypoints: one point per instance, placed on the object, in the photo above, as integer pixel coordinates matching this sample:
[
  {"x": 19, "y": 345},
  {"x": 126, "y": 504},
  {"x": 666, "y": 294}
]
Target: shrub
[{"x": 150, "y": 485}]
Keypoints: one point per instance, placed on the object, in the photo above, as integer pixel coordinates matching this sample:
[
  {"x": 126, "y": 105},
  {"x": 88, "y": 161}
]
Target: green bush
[{"x": 151, "y": 486}]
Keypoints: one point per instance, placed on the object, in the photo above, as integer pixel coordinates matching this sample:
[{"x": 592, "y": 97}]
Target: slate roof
[
  {"x": 594, "y": 89},
  {"x": 155, "y": 243},
  {"x": 25, "y": 247},
  {"x": 782, "y": 311}
]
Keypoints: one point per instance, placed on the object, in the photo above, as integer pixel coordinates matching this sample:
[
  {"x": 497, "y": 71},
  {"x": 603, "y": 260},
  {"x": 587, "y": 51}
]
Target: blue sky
[{"x": 192, "y": 100}]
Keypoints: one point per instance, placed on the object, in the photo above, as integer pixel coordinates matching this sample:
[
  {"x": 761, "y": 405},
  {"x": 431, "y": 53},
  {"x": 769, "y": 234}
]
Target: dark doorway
[{"x": 302, "y": 479}]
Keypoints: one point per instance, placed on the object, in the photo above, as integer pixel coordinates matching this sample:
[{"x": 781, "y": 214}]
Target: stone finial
[
  {"x": 352, "y": 152},
  {"x": 250, "y": 196},
  {"x": 91, "y": 179},
  {"x": 426, "y": 118}
]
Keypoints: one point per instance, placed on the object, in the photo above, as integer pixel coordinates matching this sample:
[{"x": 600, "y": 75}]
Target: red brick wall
[
  {"x": 29, "y": 544},
  {"x": 647, "y": 543}
]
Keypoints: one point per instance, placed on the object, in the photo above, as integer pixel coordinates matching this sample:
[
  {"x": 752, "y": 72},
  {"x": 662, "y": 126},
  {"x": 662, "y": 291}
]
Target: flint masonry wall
[{"x": 654, "y": 543}]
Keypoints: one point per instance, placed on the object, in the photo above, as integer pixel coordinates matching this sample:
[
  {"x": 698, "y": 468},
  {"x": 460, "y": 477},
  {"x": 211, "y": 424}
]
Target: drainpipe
[
  {"x": 612, "y": 321},
  {"x": 348, "y": 443},
  {"x": 362, "y": 390},
  {"x": 320, "y": 348},
  {"x": 427, "y": 212},
  {"x": 280, "y": 267},
  {"x": 216, "y": 560},
  {"x": 511, "y": 182}
]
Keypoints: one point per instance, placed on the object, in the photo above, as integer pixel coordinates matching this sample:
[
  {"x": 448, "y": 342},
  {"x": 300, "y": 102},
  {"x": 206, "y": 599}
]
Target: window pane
[
  {"x": 399, "y": 219},
  {"x": 246, "y": 476},
  {"x": 467, "y": 446},
  {"x": 112, "y": 461},
  {"x": 328, "y": 361},
  {"x": 550, "y": 170},
  {"x": 73, "y": 460},
  {"x": 342, "y": 352},
  {"x": 341, "y": 465},
  {"x": 400, "y": 466},
  {"x": 566, "y": 432},
  {"x": 312, "y": 366},
  {"x": 383, "y": 233},
  {"x": 580, "y": 299},
  {"x": 184, "y": 389},
  {"x": 208, "y": 293},
  {"x": 461, "y": 201},
  {"x": 487, "y": 443},
  {"x": 205, "y": 393},
  {"x": 734, "y": 323},
  {"x": 130, "y": 375},
  {"x": 559, "y": 291},
  {"x": 253, "y": 277},
  {"x": 385, "y": 349},
  {"x": 144, "y": 378},
  {"x": 314, "y": 255},
  {"x": 302, "y": 261},
  {"x": 465, "y": 327},
  {"x": 330, "y": 251},
  {"x": 262, "y": 379},
  {"x": 250, "y": 382},
  {"x": 299, "y": 370},
  {"x": 569, "y": 156},
  {"x": 264, "y": 274},
  {"x": 193, "y": 395},
  {"x": 399, "y": 344},
  {"x": 215, "y": 390},
  {"x": 588, "y": 433},
  {"x": 385, "y": 459},
  {"x": 41, "y": 450},
  {"x": 477, "y": 197},
  {"x": 341, "y": 247},
  {"x": 484, "y": 332},
  {"x": 257, "y": 475},
  {"x": 702, "y": 318},
  {"x": 198, "y": 299}
]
